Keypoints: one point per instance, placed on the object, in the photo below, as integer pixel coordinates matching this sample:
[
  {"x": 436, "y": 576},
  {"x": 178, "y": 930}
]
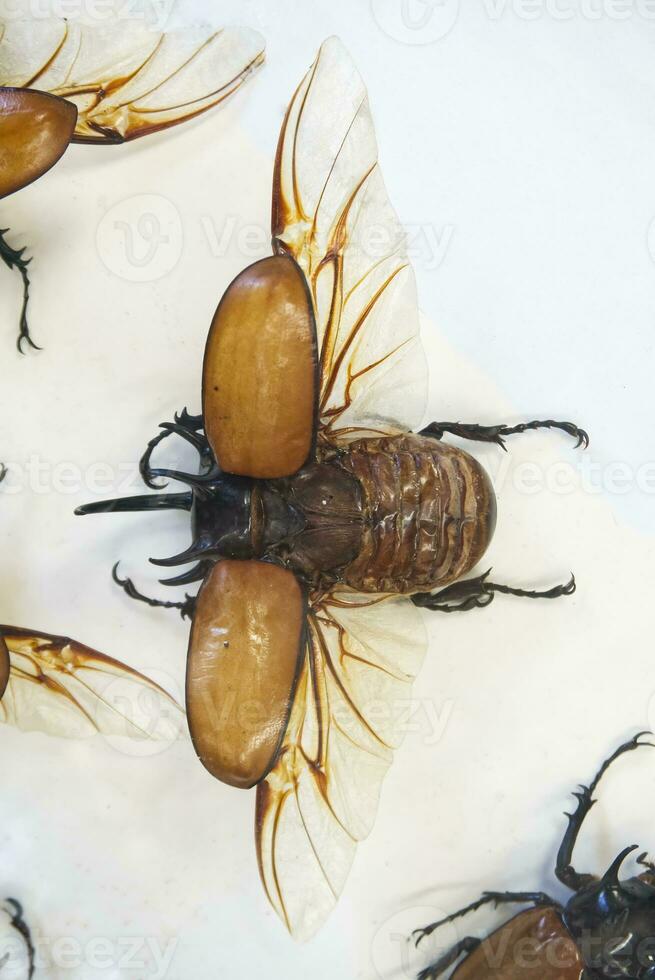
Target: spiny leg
[
  {"x": 498, "y": 898},
  {"x": 497, "y": 433},
  {"x": 466, "y": 945},
  {"x": 13, "y": 259},
  {"x": 476, "y": 593},
  {"x": 15, "y": 912},
  {"x": 189, "y": 427},
  {"x": 186, "y": 608},
  {"x": 564, "y": 868}
]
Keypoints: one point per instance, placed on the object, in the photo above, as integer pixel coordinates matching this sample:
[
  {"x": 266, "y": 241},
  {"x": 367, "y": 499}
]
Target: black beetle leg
[
  {"x": 466, "y": 945},
  {"x": 498, "y": 898},
  {"x": 564, "y": 868},
  {"x": 15, "y": 912},
  {"x": 497, "y": 433},
  {"x": 13, "y": 259},
  {"x": 475, "y": 593},
  {"x": 188, "y": 427},
  {"x": 186, "y": 608}
]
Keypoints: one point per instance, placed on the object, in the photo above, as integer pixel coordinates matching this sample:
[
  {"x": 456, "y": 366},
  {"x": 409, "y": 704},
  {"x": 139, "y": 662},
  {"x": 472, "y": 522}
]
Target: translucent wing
[
  {"x": 59, "y": 686},
  {"x": 331, "y": 212},
  {"x": 348, "y": 714},
  {"x": 128, "y": 81}
]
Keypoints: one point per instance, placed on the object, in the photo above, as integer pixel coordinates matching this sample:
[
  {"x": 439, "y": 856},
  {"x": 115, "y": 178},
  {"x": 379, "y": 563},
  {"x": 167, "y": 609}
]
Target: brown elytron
[
  {"x": 35, "y": 130},
  {"x": 244, "y": 653},
  {"x": 534, "y": 943},
  {"x": 313, "y": 386},
  {"x": 252, "y": 424}
]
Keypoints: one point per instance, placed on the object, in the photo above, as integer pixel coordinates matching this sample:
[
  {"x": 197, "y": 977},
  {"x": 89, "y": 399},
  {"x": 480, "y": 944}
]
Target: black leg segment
[
  {"x": 564, "y": 868},
  {"x": 464, "y": 946},
  {"x": 497, "y": 433},
  {"x": 476, "y": 593},
  {"x": 13, "y": 259},
  {"x": 186, "y": 608},
  {"x": 497, "y": 898}
]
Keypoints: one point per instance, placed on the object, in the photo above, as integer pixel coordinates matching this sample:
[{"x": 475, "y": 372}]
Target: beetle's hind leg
[
  {"x": 498, "y": 433},
  {"x": 186, "y": 608},
  {"x": 15, "y": 911},
  {"x": 564, "y": 868},
  {"x": 498, "y": 898},
  {"x": 188, "y": 427},
  {"x": 476, "y": 593},
  {"x": 13, "y": 259},
  {"x": 466, "y": 945}
]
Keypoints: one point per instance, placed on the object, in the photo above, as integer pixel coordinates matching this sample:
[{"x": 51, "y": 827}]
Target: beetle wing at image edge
[
  {"x": 322, "y": 795},
  {"x": 331, "y": 212},
  {"x": 59, "y": 686},
  {"x": 128, "y": 83}
]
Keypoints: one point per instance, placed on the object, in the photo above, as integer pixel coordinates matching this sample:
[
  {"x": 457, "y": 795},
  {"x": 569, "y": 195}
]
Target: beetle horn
[
  {"x": 611, "y": 876},
  {"x": 160, "y": 501},
  {"x": 196, "y": 551}
]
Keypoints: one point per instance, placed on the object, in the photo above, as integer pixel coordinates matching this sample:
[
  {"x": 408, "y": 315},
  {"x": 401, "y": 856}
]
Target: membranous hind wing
[
  {"x": 125, "y": 79},
  {"x": 331, "y": 213},
  {"x": 348, "y": 715},
  {"x": 56, "y": 685}
]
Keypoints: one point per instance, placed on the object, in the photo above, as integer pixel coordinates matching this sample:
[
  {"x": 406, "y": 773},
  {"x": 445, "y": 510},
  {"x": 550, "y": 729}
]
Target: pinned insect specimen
[
  {"x": 118, "y": 83},
  {"x": 606, "y": 930},
  {"x": 56, "y": 685},
  {"x": 321, "y": 520},
  {"x": 17, "y": 952}
]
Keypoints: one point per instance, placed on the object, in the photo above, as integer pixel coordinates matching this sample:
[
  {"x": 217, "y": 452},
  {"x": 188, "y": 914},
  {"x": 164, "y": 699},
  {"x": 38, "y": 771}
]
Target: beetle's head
[
  {"x": 613, "y": 922},
  {"x": 220, "y": 506}
]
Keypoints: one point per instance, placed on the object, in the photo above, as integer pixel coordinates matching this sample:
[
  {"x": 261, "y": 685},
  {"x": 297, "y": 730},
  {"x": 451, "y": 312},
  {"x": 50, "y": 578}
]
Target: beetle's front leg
[
  {"x": 189, "y": 427},
  {"x": 186, "y": 608},
  {"x": 13, "y": 259},
  {"x": 476, "y": 593},
  {"x": 497, "y": 433},
  {"x": 585, "y": 800},
  {"x": 465, "y": 946}
]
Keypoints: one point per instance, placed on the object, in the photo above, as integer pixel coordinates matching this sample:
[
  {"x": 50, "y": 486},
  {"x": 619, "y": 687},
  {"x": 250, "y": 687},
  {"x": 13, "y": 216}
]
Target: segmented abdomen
[{"x": 429, "y": 513}]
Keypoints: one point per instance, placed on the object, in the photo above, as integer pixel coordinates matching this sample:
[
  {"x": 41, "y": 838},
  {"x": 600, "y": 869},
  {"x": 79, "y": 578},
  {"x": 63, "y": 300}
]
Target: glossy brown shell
[
  {"x": 35, "y": 129},
  {"x": 245, "y": 650},
  {"x": 4, "y": 666},
  {"x": 259, "y": 384},
  {"x": 534, "y": 943}
]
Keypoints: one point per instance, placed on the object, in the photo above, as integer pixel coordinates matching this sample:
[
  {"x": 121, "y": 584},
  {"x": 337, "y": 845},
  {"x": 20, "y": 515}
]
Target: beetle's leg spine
[
  {"x": 13, "y": 259},
  {"x": 498, "y": 898},
  {"x": 476, "y": 593},
  {"x": 564, "y": 869},
  {"x": 187, "y": 427},
  {"x": 497, "y": 433},
  {"x": 186, "y": 608},
  {"x": 466, "y": 945}
]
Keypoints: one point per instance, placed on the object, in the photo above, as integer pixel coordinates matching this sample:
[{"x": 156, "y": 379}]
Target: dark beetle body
[
  {"x": 395, "y": 514},
  {"x": 605, "y": 931}
]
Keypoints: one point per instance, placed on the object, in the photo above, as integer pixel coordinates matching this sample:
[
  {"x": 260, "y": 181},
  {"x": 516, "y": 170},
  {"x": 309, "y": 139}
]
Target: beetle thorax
[{"x": 613, "y": 923}]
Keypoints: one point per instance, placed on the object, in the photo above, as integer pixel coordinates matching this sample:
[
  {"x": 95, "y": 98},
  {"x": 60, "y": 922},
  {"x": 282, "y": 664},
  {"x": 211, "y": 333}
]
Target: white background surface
[{"x": 523, "y": 140}]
